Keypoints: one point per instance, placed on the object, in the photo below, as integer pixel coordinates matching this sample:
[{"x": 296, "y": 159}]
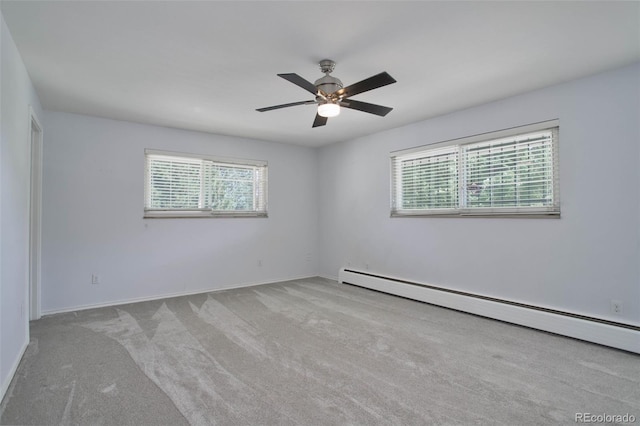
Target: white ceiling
[{"x": 208, "y": 65}]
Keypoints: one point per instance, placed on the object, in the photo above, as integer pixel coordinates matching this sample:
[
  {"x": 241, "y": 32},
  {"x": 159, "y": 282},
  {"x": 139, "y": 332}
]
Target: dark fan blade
[
  {"x": 299, "y": 81},
  {"x": 319, "y": 121},
  {"x": 285, "y": 105},
  {"x": 366, "y": 107},
  {"x": 365, "y": 85}
]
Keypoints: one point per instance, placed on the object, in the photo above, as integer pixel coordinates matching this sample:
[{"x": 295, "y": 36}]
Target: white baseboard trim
[
  {"x": 608, "y": 333},
  {"x": 166, "y": 296},
  {"x": 12, "y": 372}
]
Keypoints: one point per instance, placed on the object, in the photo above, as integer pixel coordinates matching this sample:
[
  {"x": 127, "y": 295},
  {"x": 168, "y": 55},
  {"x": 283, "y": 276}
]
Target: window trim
[
  {"x": 205, "y": 213},
  {"x": 489, "y": 212}
]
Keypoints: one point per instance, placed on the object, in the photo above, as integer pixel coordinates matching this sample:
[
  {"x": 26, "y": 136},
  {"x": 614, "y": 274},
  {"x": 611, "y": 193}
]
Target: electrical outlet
[
  {"x": 366, "y": 266},
  {"x": 260, "y": 262},
  {"x": 95, "y": 279},
  {"x": 616, "y": 307}
]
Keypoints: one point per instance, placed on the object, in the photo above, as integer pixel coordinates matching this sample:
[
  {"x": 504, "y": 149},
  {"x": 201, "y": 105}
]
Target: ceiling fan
[{"x": 330, "y": 94}]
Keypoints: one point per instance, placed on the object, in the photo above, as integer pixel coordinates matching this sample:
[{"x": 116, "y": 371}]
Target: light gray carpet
[{"x": 308, "y": 352}]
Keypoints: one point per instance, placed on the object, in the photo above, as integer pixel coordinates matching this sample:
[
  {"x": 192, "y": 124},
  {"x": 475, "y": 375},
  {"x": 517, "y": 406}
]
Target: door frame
[{"x": 35, "y": 215}]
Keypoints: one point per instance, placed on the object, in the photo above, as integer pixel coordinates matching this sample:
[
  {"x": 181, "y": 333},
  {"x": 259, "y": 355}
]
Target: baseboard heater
[{"x": 610, "y": 333}]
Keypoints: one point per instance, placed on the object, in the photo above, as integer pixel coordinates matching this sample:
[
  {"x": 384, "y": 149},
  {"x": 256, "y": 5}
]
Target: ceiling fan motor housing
[{"x": 328, "y": 84}]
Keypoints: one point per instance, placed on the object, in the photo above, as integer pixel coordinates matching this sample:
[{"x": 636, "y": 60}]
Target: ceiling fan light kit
[
  {"x": 328, "y": 110},
  {"x": 330, "y": 94}
]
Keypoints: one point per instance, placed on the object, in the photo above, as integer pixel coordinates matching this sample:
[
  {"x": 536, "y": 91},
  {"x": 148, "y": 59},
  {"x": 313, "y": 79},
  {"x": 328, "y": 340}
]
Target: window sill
[
  {"x": 201, "y": 215},
  {"x": 480, "y": 215}
]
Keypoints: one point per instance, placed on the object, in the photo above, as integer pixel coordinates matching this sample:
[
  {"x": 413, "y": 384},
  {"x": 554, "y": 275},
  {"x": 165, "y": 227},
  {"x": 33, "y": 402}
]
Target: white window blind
[
  {"x": 512, "y": 172},
  {"x": 428, "y": 180},
  {"x": 182, "y": 185}
]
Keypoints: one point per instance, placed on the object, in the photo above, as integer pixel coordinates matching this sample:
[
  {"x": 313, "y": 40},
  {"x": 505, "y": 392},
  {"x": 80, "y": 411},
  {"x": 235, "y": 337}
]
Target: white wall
[
  {"x": 17, "y": 95},
  {"x": 93, "y": 206},
  {"x": 577, "y": 263}
]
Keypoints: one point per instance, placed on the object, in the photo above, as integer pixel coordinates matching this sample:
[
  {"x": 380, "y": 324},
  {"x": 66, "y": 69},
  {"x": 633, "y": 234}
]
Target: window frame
[
  {"x": 552, "y": 211},
  {"x": 159, "y": 213}
]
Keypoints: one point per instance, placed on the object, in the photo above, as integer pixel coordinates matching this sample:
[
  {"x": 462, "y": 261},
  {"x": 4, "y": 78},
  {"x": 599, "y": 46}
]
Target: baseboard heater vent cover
[{"x": 596, "y": 330}]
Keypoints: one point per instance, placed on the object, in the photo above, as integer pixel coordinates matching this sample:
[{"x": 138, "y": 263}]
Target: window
[
  {"x": 505, "y": 173},
  {"x": 186, "y": 185}
]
